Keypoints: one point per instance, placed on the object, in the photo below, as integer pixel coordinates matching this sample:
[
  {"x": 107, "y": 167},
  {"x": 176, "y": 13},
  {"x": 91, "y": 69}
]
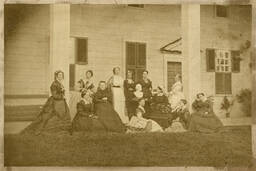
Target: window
[
  {"x": 71, "y": 76},
  {"x": 221, "y": 11},
  {"x": 136, "y": 5},
  {"x": 223, "y": 72},
  {"x": 136, "y": 58},
  {"x": 81, "y": 47},
  {"x": 235, "y": 57},
  {"x": 223, "y": 61}
]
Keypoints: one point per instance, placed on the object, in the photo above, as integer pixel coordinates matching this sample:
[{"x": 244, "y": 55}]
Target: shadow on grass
[{"x": 230, "y": 147}]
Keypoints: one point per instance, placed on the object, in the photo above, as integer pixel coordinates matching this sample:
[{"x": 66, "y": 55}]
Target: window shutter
[
  {"x": 227, "y": 83},
  {"x": 81, "y": 51},
  {"x": 223, "y": 83},
  {"x": 210, "y": 60},
  {"x": 141, "y": 54},
  {"x": 71, "y": 76},
  {"x": 219, "y": 83},
  {"x": 235, "y": 58},
  {"x": 130, "y": 53}
]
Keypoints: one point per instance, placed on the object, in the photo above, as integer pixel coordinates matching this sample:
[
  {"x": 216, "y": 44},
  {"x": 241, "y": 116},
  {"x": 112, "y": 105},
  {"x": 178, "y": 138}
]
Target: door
[
  {"x": 136, "y": 59},
  {"x": 173, "y": 68}
]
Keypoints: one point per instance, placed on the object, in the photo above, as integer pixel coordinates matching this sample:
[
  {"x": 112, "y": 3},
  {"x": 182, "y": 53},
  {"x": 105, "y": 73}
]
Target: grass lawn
[{"x": 231, "y": 147}]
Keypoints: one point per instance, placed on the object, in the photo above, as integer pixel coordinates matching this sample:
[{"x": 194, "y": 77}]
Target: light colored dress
[
  {"x": 176, "y": 94},
  {"x": 116, "y": 82},
  {"x": 138, "y": 123}
]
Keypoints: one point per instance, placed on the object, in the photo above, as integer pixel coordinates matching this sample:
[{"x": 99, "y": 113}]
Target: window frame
[{"x": 136, "y": 67}]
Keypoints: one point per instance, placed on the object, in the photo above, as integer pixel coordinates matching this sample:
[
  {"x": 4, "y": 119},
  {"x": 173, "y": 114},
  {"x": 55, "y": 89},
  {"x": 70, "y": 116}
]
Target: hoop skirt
[
  {"x": 106, "y": 113},
  {"x": 54, "y": 117}
]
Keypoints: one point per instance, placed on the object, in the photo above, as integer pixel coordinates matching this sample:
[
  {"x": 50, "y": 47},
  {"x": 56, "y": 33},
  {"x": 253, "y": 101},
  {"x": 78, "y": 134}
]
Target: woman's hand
[{"x": 104, "y": 98}]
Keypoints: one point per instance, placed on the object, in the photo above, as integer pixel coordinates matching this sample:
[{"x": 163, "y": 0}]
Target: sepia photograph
[{"x": 167, "y": 85}]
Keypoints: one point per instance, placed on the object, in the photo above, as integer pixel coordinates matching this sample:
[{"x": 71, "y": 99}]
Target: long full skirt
[
  {"x": 53, "y": 118},
  {"x": 86, "y": 124},
  {"x": 109, "y": 117},
  {"x": 119, "y": 104},
  {"x": 202, "y": 124}
]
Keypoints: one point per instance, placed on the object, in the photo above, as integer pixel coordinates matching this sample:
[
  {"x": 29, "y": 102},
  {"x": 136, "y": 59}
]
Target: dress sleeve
[
  {"x": 97, "y": 97},
  {"x": 56, "y": 91},
  {"x": 80, "y": 109},
  {"x": 109, "y": 96},
  {"x": 125, "y": 88}
]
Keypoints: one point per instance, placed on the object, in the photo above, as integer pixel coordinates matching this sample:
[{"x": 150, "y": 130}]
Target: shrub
[{"x": 245, "y": 98}]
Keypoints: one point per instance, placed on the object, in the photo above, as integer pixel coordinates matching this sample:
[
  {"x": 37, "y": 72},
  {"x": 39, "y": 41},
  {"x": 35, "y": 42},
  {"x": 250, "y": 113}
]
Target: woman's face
[
  {"x": 102, "y": 86},
  {"x": 59, "y": 76},
  {"x": 158, "y": 90},
  {"x": 88, "y": 75},
  {"x": 138, "y": 87},
  {"x": 129, "y": 75},
  {"x": 116, "y": 71},
  {"x": 177, "y": 78},
  {"x": 145, "y": 75}
]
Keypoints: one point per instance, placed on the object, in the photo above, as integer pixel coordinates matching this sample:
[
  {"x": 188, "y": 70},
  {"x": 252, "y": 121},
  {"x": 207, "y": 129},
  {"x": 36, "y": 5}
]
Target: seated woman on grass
[
  {"x": 105, "y": 111},
  {"x": 159, "y": 103},
  {"x": 140, "y": 124},
  {"x": 85, "y": 120},
  {"x": 179, "y": 118},
  {"x": 203, "y": 119}
]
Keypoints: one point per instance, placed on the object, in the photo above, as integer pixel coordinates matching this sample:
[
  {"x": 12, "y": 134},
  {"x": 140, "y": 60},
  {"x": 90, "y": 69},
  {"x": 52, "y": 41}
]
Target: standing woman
[
  {"x": 87, "y": 84},
  {"x": 176, "y": 94},
  {"x": 105, "y": 111},
  {"x": 129, "y": 88},
  {"x": 82, "y": 86},
  {"x": 146, "y": 88},
  {"x": 55, "y": 113},
  {"x": 116, "y": 84}
]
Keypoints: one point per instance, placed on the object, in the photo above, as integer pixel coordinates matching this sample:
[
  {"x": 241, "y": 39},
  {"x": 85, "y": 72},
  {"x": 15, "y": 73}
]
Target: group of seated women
[{"x": 103, "y": 108}]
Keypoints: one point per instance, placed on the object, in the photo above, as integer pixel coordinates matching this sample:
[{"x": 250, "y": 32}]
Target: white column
[
  {"x": 59, "y": 42},
  {"x": 190, "y": 24}
]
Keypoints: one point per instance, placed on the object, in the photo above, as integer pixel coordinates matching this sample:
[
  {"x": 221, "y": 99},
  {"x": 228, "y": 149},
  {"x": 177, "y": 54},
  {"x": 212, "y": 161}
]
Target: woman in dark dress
[
  {"x": 146, "y": 89},
  {"x": 160, "y": 102},
  {"x": 105, "y": 111},
  {"x": 129, "y": 88},
  {"x": 203, "y": 119},
  {"x": 54, "y": 116},
  {"x": 82, "y": 85},
  {"x": 85, "y": 120}
]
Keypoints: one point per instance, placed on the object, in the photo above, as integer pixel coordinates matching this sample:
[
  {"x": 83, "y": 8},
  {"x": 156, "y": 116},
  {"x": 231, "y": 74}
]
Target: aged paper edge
[{"x": 2, "y": 2}]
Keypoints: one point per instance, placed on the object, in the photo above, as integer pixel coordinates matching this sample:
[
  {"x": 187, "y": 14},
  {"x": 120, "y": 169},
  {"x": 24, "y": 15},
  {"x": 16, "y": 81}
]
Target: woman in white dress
[
  {"x": 176, "y": 94},
  {"x": 116, "y": 84},
  {"x": 140, "y": 124}
]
